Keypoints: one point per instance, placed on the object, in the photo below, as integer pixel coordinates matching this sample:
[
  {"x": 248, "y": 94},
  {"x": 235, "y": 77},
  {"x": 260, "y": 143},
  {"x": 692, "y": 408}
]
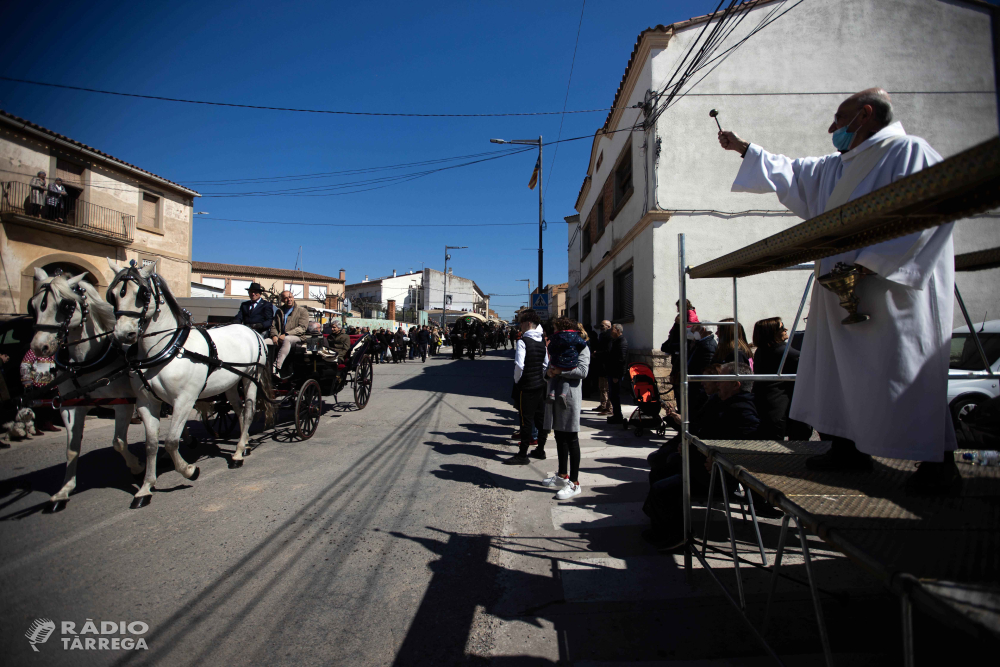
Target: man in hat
[{"x": 256, "y": 313}]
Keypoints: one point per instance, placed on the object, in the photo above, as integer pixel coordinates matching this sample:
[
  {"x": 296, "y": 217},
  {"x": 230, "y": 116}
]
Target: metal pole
[
  {"x": 541, "y": 216},
  {"x": 682, "y": 400},
  {"x": 736, "y": 331},
  {"x": 795, "y": 325},
  {"x": 444, "y": 289},
  {"x": 972, "y": 330}
]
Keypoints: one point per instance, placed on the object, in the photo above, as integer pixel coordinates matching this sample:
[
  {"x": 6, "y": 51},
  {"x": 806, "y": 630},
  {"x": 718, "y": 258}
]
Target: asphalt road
[{"x": 361, "y": 546}]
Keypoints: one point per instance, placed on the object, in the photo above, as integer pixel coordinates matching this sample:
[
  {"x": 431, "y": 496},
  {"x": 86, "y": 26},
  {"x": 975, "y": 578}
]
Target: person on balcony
[
  {"x": 36, "y": 200},
  {"x": 56, "y": 201}
]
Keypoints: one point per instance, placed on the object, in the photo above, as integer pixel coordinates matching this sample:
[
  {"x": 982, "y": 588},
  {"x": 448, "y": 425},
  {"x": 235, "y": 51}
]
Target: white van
[{"x": 965, "y": 394}]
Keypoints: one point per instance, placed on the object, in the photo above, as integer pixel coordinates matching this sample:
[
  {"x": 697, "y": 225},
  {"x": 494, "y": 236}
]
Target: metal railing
[{"x": 16, "y": 197}]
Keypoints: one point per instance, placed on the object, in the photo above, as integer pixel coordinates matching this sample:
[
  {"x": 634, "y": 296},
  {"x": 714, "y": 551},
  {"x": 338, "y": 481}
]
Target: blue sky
[{"x": 447, "y": 57}]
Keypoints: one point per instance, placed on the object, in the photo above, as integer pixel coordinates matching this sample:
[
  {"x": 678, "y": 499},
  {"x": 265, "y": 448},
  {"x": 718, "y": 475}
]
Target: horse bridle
[
  {"x": 66, "y": 308},
  {"x": 148, "y": 290}
]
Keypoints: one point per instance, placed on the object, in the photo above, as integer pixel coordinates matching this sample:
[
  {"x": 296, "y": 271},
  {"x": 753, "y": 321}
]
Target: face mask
[{"x": 842, "y": 139}]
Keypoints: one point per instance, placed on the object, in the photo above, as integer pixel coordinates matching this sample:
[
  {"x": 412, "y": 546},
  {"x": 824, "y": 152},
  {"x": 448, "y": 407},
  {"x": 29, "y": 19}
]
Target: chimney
[
  {"x": 391, "y": 309},
  {"x": 366, "y": 278},
  {"x": 343, "y": 275},
  {"x": 394, "y": 273},
  {"x": 451, "y": 271}
]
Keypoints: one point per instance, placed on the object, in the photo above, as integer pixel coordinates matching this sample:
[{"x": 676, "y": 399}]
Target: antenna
[{"x": 298, "y": 260}]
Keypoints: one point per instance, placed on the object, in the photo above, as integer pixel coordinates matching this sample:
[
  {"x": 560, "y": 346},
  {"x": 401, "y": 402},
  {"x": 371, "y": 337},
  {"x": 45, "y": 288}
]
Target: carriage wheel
[
  {"x": 308, "y": 409},
  {"x": 363, "y": 382},
  {"x": 222, "y": 422}
]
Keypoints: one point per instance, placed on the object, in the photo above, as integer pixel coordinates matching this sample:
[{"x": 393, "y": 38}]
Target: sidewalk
[{"x": 583, "y": 587}]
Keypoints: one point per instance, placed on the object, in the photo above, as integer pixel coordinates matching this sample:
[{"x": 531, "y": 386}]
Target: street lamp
[
  {"x": 541, "y": 204},
  {"x": 444, "y": 282},
  {"x": 202, "y": 213}
]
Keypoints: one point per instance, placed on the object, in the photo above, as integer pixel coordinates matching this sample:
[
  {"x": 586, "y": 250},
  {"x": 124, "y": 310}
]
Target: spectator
[
  {"x": 423, "y": 340},
  {"x": 56, "y": 201},
  {"x": 774, "y": 399},
  {"x": 615, "y": 364},
  {"x": 564, "y": 348},
  {"x": 36, "y": 200},
  {"x": 733, "y": 418},
  {"x": 399, "y": 342},
  {"x": 724, "y": 353},
  {"x": 37, "y": 372},
  {"x": 530, "y": 364},
  {"x": 564, "y": 417},
  {"x": 697, "y": 420},
  {"x": 601, "y": 347}
]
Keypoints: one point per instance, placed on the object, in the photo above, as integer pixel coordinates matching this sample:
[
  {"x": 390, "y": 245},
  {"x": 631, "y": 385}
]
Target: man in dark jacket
[
  {"x": 614, "y": 367},
  {"x": 734, "y": 418},
  {"x": 399, "y": 353},
  {"x": 600, "y": 350},
  {"x": 530, "y": 363},
  {"x": 256, "y": 313},
  {"x": 423, "y": 340}
]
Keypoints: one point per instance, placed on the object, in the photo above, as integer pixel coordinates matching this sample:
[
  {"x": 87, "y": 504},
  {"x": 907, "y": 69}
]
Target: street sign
[{"x": 540, "y": 301}]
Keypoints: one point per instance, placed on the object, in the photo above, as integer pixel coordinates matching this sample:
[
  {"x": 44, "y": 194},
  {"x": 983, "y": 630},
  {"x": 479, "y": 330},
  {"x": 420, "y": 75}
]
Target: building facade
[
  {"x": 234, "y": 279},
  {"x": 413, "y": 291},
  {"x": 111, "y": 210},
  {"x": 644, "y": 187}
]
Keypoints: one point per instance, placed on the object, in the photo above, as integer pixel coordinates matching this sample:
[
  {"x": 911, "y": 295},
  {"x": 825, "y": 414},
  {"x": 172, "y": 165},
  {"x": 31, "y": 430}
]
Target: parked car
[{"x": 964, "y": 395}]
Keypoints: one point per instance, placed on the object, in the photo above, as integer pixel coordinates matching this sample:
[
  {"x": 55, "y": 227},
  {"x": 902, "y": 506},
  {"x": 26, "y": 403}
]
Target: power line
[
  {"x": 572, "y": 65},
  {"x": 360, "y": 224},
  {"x": 162, "y": 98}
]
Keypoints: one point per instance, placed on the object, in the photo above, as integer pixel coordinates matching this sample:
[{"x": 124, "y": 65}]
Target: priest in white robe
[{"x": 878, "y": 387}]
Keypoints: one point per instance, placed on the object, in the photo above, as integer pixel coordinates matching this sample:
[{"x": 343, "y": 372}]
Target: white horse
[
  {"x": 175, "y": 363},
  {"x": 69, "y": 312}
]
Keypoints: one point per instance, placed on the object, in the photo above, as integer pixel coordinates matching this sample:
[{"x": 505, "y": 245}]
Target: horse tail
[{"x": 265, "y": 384}]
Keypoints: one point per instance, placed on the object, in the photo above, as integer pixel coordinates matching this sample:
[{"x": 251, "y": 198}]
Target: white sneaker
[
  {"x": 568, "y": 491},
  {"x": 555, "y": 481}
]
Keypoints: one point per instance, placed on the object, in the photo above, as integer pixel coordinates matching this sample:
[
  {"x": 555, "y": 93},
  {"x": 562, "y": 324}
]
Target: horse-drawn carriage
[
  {"x": 314, "y": 372},
  {"x": 172, "y": 362}
]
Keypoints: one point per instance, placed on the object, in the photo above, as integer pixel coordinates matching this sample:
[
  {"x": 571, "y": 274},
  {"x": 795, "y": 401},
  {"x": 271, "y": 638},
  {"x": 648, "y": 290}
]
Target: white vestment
[{"x": 881, "y": 383}]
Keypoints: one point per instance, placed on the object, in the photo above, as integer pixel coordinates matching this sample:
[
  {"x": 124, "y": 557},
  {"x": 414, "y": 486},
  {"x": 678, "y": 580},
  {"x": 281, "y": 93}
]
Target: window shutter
[
  {"x": 149, "y": 210},
  {"x": 69, "y": 172},
  {"x": 627, "y": 294}
]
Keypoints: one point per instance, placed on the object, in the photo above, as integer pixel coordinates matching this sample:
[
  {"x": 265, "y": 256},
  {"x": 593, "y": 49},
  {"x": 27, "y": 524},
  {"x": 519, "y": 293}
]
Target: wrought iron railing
[{"x": 17, "y": 197}]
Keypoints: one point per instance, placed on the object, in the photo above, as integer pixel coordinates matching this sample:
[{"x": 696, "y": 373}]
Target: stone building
[
  {"x": 420, "y": 291},
  {"x": 645, "y": 183},
  {"x": 112, "y": 210},
  {"x": 309, "y": 288}
]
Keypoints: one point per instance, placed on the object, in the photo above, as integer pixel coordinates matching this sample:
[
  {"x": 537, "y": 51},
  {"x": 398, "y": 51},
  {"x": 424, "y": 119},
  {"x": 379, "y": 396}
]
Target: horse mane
[
  {"x": 181, "y": 315},
  {"x": 101, "y": 309}
]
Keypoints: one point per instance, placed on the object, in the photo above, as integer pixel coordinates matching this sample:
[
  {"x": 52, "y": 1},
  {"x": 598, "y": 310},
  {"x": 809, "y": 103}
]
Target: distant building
[
  {"x": 111, "y": 210},
  {"x": 234, "y": 279},
  {"x": 418, "y": 291}
]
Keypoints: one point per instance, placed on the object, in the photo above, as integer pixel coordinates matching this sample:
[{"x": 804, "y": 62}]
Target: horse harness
[{"x": 149, "y": 289}]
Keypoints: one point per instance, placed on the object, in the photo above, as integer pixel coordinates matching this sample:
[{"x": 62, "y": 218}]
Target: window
[
  {"x": 965, "y": 356},
  {"x": 600, "y": 216},
  {"x": 295, "y": 289},
  {"x": 599, "y": 315},
  {"x": 623, "y": 178},
  {"x": 586, "y": 311},
  {"x": 600, "y": 159},
  {"x": 239, "y": 286},
  {"x": 587, "y": 244},
  {"x": 146, "y": 260},
  {"x": 623, "y": 294},
  {"x": 317, "y": 292},
  {"x": 574, "y": 312},
  {"x": 215, "y": 282},
  {"x": 70, "y": 173},
  {"x": 149, "y": 213}
]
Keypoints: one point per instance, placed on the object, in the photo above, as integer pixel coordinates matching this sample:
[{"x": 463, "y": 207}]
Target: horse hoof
[
  {"x": 247, "y": 451},
  {"x": 140, "y": 501},
  {"x": 54, "y": 506},
  {"x": 194, "y": 475},
  {"x": 235, "y": 464}
]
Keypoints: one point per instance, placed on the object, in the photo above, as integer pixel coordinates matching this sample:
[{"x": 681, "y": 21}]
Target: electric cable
[
  {"x": 562, "y": 118},
  {"x": 365, "y": 224},
  {"x": 162, "y": 98}
]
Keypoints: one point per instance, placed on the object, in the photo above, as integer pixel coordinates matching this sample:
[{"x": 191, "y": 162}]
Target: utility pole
[
  {"x": 444, "y": 281},
  {"x": 541, "y": 202}
]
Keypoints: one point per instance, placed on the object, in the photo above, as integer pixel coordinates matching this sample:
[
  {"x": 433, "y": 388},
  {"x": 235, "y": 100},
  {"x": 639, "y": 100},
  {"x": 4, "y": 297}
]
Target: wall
[
  {"x": 270, "y": 282},
  {"x": 462, "y": 290},
  {"x": 22, "y": 248}
]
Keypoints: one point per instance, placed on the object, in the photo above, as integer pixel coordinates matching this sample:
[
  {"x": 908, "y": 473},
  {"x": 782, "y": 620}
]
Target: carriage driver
[
  {"x": 256, "y": 313},
  {"x": 290, "y": 322}
]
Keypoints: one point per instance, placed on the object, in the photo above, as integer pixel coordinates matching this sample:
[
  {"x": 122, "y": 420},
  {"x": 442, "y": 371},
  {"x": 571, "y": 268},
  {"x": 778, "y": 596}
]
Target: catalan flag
[{"x": 534, "y": 175}]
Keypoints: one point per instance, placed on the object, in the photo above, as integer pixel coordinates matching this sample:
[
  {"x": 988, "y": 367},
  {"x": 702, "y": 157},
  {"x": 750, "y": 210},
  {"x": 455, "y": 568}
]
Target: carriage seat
[{"x": 355, "y": 338}]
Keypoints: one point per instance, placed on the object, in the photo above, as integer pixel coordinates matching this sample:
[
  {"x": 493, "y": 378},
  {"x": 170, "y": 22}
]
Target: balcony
[{"x": 76, "y": 218}]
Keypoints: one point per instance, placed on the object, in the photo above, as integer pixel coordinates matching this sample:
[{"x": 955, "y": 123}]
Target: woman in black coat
[{"x": 774, "y": 399}]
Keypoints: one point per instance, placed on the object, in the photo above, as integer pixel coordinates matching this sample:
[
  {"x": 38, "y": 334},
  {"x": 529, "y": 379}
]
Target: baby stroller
[{"x": 647, "y": 398}]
